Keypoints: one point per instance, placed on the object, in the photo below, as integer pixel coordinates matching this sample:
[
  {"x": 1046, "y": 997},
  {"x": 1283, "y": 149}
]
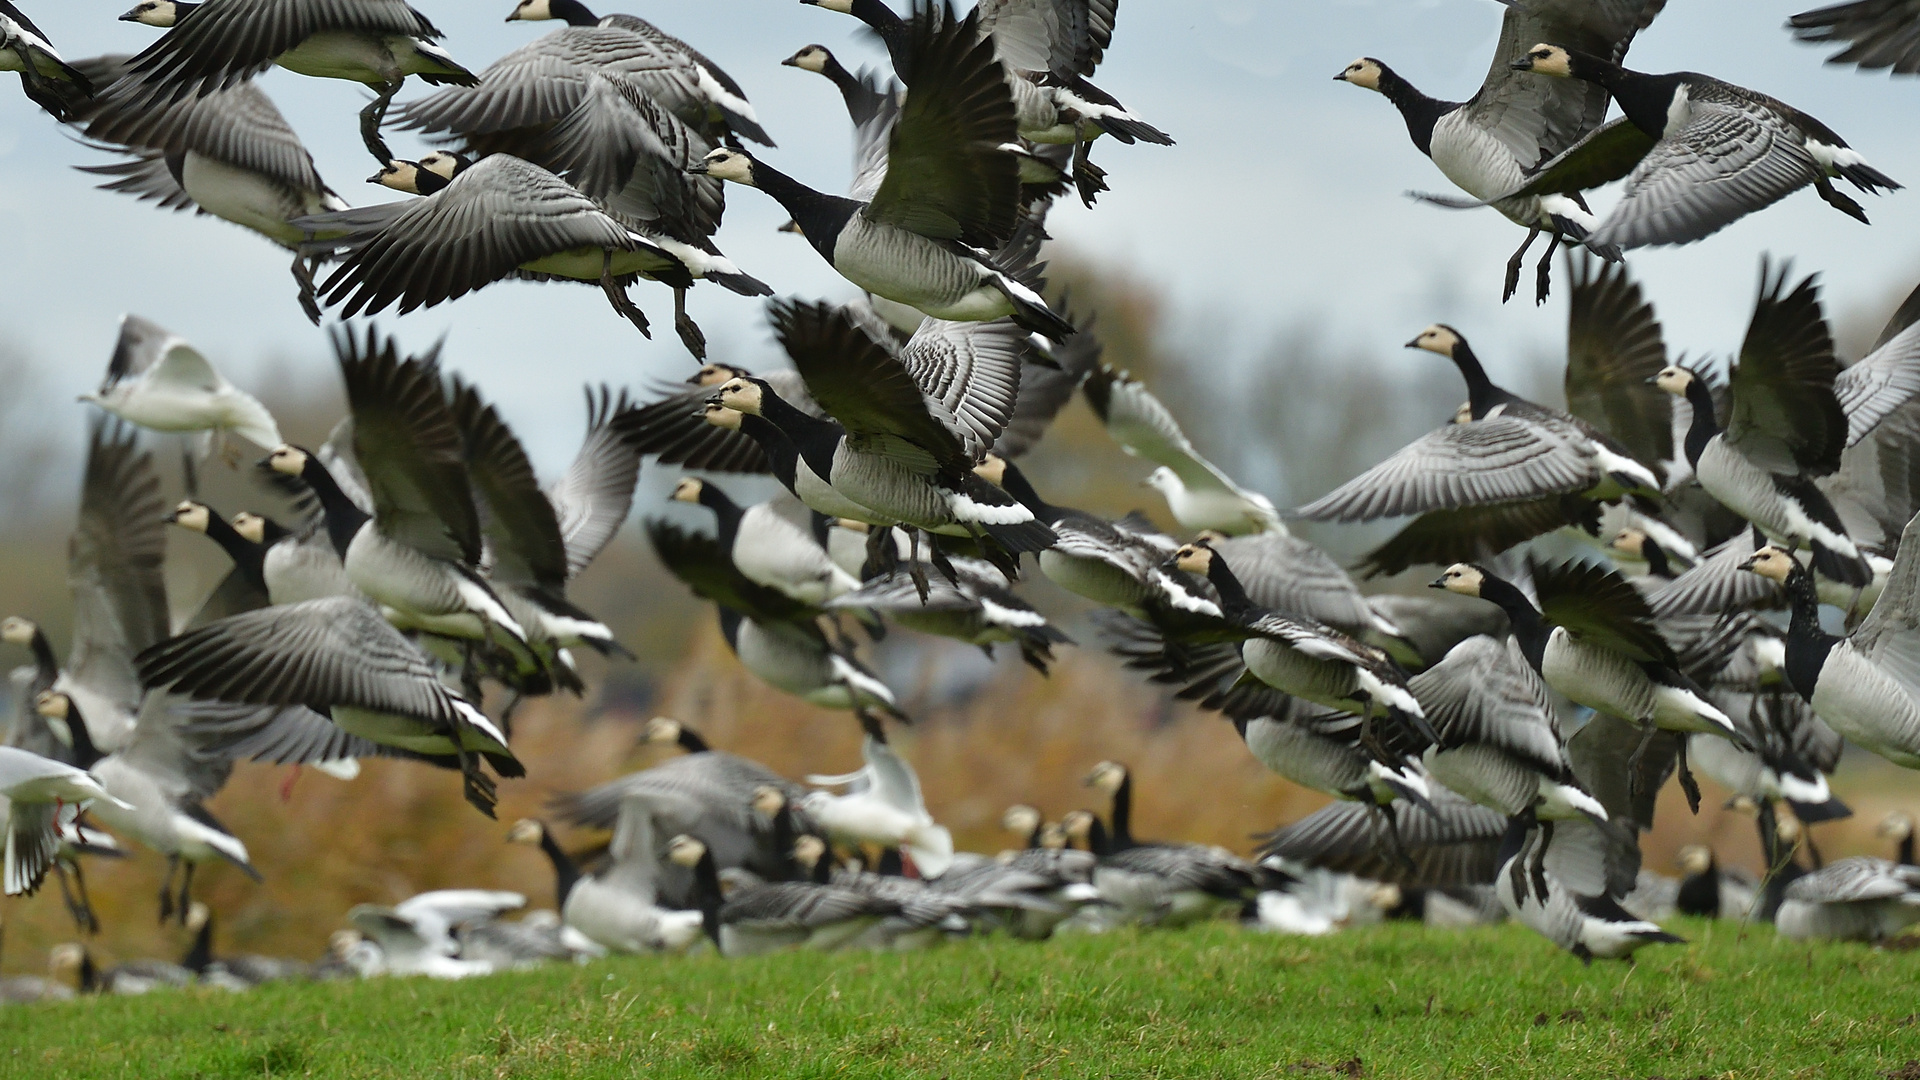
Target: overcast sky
[{"x": 1282, "y": 202}]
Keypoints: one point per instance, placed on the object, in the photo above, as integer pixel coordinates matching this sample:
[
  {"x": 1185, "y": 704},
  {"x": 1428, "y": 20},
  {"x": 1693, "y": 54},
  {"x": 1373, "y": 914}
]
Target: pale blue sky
[{"x": 1282, "y": 202}]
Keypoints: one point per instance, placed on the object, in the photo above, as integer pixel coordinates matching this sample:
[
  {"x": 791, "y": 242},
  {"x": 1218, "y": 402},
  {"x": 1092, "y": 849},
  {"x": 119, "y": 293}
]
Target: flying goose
[
  {"x": 1593, "y": 639},
  {"x": 882, "y": 806},
  {"x": 676, "y": 426},
  {"x": 776, "y": 637},
  {"x": 1562, "y": 879},
  {"x": 976, "y": 605},
  {"x": 1488, "y": 144},
  {"x": 339, "y": 658},
  {"x": 1879, "y": 33},
  {"x": 36, "y": 788},
  {"x": 726, "y": 106},
  {"x": 1794, "y": 749},
  {"x": 52, "y": 83},
  {"x": 872, "y": 105},
  {"x": 768, "y": 548},
  {"x": 297, "y": 564},
  {"x": 1698, "y": 154},
  {"x": 244, "y": 588},
  {"x": 1856, "y": 899},
  {"x": 618, "y": 906},
  {"x": 1792, "y": 415},
  {"x": 770, "y": 917},
  {"x": 156, "y": 379},
  {"x": 213, "y": 45},
  {"x": 1107, "y": 562},
  {"x": 1448, "y": 843},
  {"x": 1861, "y": 685},
  {"x": 230, "y": 154},
  {"x": 480, "y": 222},
  {"x": 1200, "y": 495},
  {"x": 951, "y": 194}
]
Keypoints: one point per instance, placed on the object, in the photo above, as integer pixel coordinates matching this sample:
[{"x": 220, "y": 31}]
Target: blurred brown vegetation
[{"x": 1307, "y": 414}]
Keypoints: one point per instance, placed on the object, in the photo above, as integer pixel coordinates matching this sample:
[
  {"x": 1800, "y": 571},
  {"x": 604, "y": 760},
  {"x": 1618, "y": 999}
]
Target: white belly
[
  {"x": 344, "y": 54},
  {"x": 245, "y": 198}
]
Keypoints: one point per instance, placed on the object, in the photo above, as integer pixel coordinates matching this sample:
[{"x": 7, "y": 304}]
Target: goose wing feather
[
  {"x": 1614, "y": 349},
  {"x": 864, "y": 386},
  {"x": 114, "y": 567},
  {"x": 1538, "y": 118},
  {"x": 1785, "y": 415},
  {"x": 1855, "y": 879},
  {"x": 1878, "y": 33},
  {"x": 1500, "y": 459},
  {"x": 1457, "y": 843},
  {"x": 1285, "y": 573},
  {"x": 1880, "y": 383},
  {"x": 1889, "y": 637},
  {"x": 713, "y": 785},
  {"x": 594, "y": 496},
  {"x": 1476, "y": 533},
  {"x": 226, "y": 41},
  {"x": 673, "y": 428},
  {"x": 1596, "y": 604},
  {"x": 1144, "y": 427},
  {"x": 622, "y": 148},
  {"x": 521, "y": 527},
  {"x": 239, "y": 125},
  {"x": 973, "y": 370},
  {"x": 1484, "y": 692},
  {"x": 1044, "y": 391}
]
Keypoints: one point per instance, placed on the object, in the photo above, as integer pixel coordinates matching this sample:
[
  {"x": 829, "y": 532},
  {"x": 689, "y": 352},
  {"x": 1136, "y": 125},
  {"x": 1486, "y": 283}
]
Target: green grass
[{"x": 1397, "y": 1001}]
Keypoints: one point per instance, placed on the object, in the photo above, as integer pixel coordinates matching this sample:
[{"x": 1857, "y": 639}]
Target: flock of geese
[{"x": 1488, "y": 757}]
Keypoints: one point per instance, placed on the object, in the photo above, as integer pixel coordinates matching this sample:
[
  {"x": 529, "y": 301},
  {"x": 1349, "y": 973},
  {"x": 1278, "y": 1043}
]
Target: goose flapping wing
[
  {"x": 948, "y": 177},
  {"x": 594, "y": 496},
  {"x": 801, "y": 904},
  {"x": 1889, "y": 637},
  {"x": 1716, "y": 584},
  {"x": 1045, "y": 390},
  {"x": 542, "y": 81},
  {"x": 1857, "y": 879},
  {"x": 1476, "y": 533},
  {"x": 875, "y": 111},
  {"x": 1285, "y": 573},
  {"x": 225, "y": 41},
  {"x": 714, "y": 787},
  {"x": 522, "y": 530},
  {"x": 1535, "y": 118},
  {"x": 1879, "y": 33},
  {"x": 1602, "y": 756},
  {"x": 239, "y": 126},
  {"x": 973, "y": 370},
  {"x": 409, "y": 447},
  {"x": 1500, "y": 459},
  {"x": 1056, "y": 37},
  {"x": 1599, "y": 606},
  {"x": 161, "y": 751},
  {"x": 1785, "y": 415},
  {"x": 1881, "y": 382},
  {"x": 275, "y": 735},
  {"x": 1484, "y": 692},
  {"x": 673, "y": 427},
  {"x": 1144, "y": 427},
  {"x": 114, "y": 570},
  {"x": 1456, "y": 843},
  {"x": 1212, "y": 674},
  {"x": 1614, "y": 349}
]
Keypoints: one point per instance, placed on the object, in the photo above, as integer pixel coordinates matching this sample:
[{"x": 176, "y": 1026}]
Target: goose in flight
[
  {"x": 618, "y": 906},
  {"x": 882, "y": 806},
  {"x": 158, "y": 380},
  {"x": 1199, "y": 493},
  {"x": 1488, "y": 144},
  {"x": 52, "y": 83},
  {"x": 1878, "y": 33},
  {"x": 35, "y": 789},
  {"x": 1564, "y": 880}
]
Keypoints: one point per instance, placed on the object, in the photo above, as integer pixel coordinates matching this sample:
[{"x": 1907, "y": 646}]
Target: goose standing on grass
[
  {"x": 951, "y": 195},
  {"x": 1162, "y": 884},
  {"x": 727, "y": 109},
  {"x": 482, "y": 221},
  {"x": 1489, "y": 143},
  {"x": 1199, "y": 493},
  {"x": 618, "y": 906},
  {"x": 768, "y": 548},
  {"x": 230, "y": 154},
  {"x": 1710, "y": 890},
  {"x": 1864, "y": 686},
  {"x": 1698, "y": 154},
  {"x": 129, "y": 977},
  {"x": 1856, "y": 899},
  {"x": 1879, "y": 33},
  {"x": 36, "y": 788},
  {"x": 52, "y": 83},
  {"x": 882, "y": 806},
  {"x": 762, "y": 918},
  {"x": 1593, "y": 639},
  {"x": 159, "y": 381},
  {"x": 213, "y": 45}
]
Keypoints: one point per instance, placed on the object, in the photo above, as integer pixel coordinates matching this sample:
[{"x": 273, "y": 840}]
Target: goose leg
[
  {"x": 372, "y": 117},
  {"x": 186, "y": 892},
  {"x": 1088, "y": 179},
  {"x": 916, "y": 569},
  {"x": 1633, "y": 760},
  {"x": 1838, "y": 201},
  {"x": 1513, "y": 266},
  {"x": 1688, "y": 784},
  {"x": 941, "y": 563},
  {"x": 166, "y": 889},
  {"x": 1543, "y": 273},
  {"x": 690, "y": 335},
  {"x": 303, "y": 274},
  {"x": 623, "y": 304},
  {"x": 75, "y": 897}
]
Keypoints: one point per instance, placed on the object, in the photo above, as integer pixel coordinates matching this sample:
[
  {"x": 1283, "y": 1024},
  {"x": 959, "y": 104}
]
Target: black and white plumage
[
  {"x": 951, "y": 195},
  {"x": 674, "y": 428},
  {"x": 778, "y": 915},
  {"x": 883, "y": 805},
  {"x": 977, "y": 606},
  {"x": 484, "y": 221},
  {"x": 1856, "y": 899},
  {"x": 1878, "y": 33},
  {"x": 1450, "y": 842},
  {"x": 1488, "y": 144},
  {"x": 52, "y": 83},
  {"x": 244, "y": 588},
  {"x": 872, "y": 105},
  {"x": 1698, "y": 154},
  {"x": 213, "y": 45},
  {"x": 1111, "y": 563},
  {"x": 768, "y": 548},
  {"x": 1563, "y": 880},
  {"x": 618, "y": 906},
  {"x": 35, "y": 789}
]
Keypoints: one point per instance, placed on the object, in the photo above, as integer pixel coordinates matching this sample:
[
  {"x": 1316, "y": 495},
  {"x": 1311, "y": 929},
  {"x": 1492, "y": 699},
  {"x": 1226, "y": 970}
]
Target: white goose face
[
  {"x": 1362, "y": 72},
  {"x": 741, "y": 395},
  {"x": 851, "y": 525},
  {"x": 441, "y": 164},
  {"x": 18, "y": 631},
  {"x": 191, "y": 515},
  {"x": 1077, "y": 825},
  {"x": 1544, "y": 59},
  {"x": 287, "y": 460},
  {"x": 53, "y": 705},
  {"x": 1053, "y": 836},
  {"x": 1694, "y": 859},
  {"x": 685, "y": 851},
  {"x": 531, "y": 11},
  {"x": 1194, "y": 558},
  {"x": 813, "y": 58},
  {"x": 844, "y": 7},
  {"x": 808, "y": 851},
  {"x": 398, "y": 175},
  {"x": 1107, "y": 777},
  {"x": 1463, "y": 578},
  {"x": 65, "y": 959},
  {"x": 720, "y": 416},
  {"x": 1895, "y": 826},
  {"x": 160, "y": 13},
  {"x": 1438, "y": 338},
  {"x": 198, "y": 914},
  {"x": 769, "y": 800},
  {"x": 1630, "y": 542},
  {"x": 727, "y": 164},
  {"x": 1674, "y": 379},
  {"x": 1385, "y": 897},
  {"x": 1789, "y": 830},
  {"x": 993, "y": 470},
  {"x": 1020, "y": 818},
  {"x": 686, "y": 491},
  {"x": 1770, "y": 562},
  {"x": 660, "y": 729},
  {"x": 251, "y": 526},
  {"x": 525, "y": 831}
]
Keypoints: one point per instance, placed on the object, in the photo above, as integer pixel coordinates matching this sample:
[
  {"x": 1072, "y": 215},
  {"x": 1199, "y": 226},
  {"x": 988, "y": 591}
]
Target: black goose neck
[
  {"x": 1529, "y": 627},
  {"x": 1015, "y": 483},
  {"x": 1097, "y": 840},
  {"x": 344, "y": 516},
  {"x": 1482, "y": 395},
  {"x": 1807, "y": 643},
  {"x": 1122, "y": 814},
  {"x": 1704, "y": 426},
  {"x": 566, "y": 874},
  {"x": 851, "y": 89},
  {"x": 85, "y": 753},
  {"x": 199, "y": 955},
  {"x": 1033, "y": 838},
  {"x": 574, "y": 12},
  {"x": 1234, "y": 600},
  {"x": 247, "y": 556},
  {"x": 820, "y": 216},
  {"x": 46, "y": 667},
  {"x": 1419, "y": 111},
  {"x": 782, "y": 843},
  {"x": 782, "y": 456},
  {"x": 691, "y": 742},
  {"x": 1906, "y": 849},
  {"x": 893, "y": 30},
  {"x": 813, "y": 438},
  {"x": 725, "y": 511},
  {"x": 706, "y": 892},
  {"x": 1656, "y": 556},
  {"x": 890, "y": 864}
]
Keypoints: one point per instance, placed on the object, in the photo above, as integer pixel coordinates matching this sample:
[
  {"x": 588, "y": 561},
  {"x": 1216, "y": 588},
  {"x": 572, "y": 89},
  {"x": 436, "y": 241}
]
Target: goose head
[
  {"x": 1788, "y": 829},
  {"x": 1364, "y": 72},
  {"x": 423, "y": 177},
  {"x": 1165, "y": 481},
  {"x": 725, "y": 163},
  {"x": 1077, "y": 825},
  {"x": 1629, "y": 542},
  {"x": 1463, "y": 578},
  {"x": 65, "y": 960},
  {"x": 851, "y": 525},
  {"x": 15, "y": 630},
  {"x": 250, "y": 525},
  {"x": 1545, "y": 59},
  {"x": 192, "y": 515},
  {"x": 808, "y": 851},
  {"x": 1694, "y": 859},
  {"x": 769, "y": 800},
  {"x": 742, "y": 395},
  {"x": 1195, "y": 558},
  {"x": 992, "y": 469},
  {"x": 1053, "y": 835},
  {"x": 684, "y": 850},
  {"x": 532, "y": 11},
  {"x": 687, "y": 491},
  {"x": 844, "y": 7},
  {"x": 1895, "y": 826},
  {"x": 198, "y": 915},
  {"x": 161, "y": 13},
  {"x": 1438, "y": 338},
  {"x": 1106, "y": 777},
  {"x": 1385, "y": 896},
  {"x": 662, "y": 729},
  {"x": 1020, "y": 818},
  {"x": 56, "y": 708},
  {"x": 1675, "y": 380},
  {"x": 814, "y": 58},
  {"x": 526, "y": 831},
  {"x": 1772, "y": 563},
  {"x": 287, "y": 460},
  {"x": 717, "y": 375}
]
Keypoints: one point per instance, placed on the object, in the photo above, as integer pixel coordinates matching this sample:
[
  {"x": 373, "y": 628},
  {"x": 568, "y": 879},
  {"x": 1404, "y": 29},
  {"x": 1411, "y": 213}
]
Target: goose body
[
  {"x": 1854, "y": 899},
  {"x": 768, "y": 548},
  {"x": 883, "y": 806},
  {"x": 159, "y": 381},
  {"x": 1565, "y": 895},
  {"x": 49, "y": 81},
  {"x": 776, "y": 916},
  {"x": 618, "y": 907}
]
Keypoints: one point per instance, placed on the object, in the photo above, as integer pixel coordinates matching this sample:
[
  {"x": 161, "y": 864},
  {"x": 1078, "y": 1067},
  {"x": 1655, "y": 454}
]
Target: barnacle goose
[
  {"x": 1489, "y": 143},
  {"x": 1856, "y": 899},
  {"x": 158, "y": 380},
  {"x": 767, "y": 547},
  {"x": 951, "y": 194},
  {"x": 213, "y": 45},
  {"x": 244, "y": 588},
  {"x": 618, "y": 906},
  {"x": 1563, "y": 879},
  {"x": 1110, "y": 563},
  {"x": 873, "y": 106},
  {"x": 1447, "y": 842},
  {"x": 1898, "y": 827},
  {"x": 1698, "y": 154},
  {"x": 883, "y": 805},
  {"x": 1710, "y": 890},
  {"x": 1879, "y": 33},
  {"x": 675, "y": 427},
  {"x": 756, "y": 919},
  {"x": 976, "y": 605},
  {"x": 52, "y": 83}
]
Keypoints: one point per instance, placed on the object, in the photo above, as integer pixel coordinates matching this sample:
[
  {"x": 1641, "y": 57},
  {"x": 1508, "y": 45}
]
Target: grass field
[{"x": 1397, "y": 1001}]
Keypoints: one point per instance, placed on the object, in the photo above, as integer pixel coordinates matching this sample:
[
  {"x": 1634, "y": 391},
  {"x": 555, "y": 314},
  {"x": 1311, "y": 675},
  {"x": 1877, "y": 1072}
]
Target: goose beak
[
  {"x": 1524, "y": 63},
  {"x": 1437, "y": 583},
  {"x": 698, "y": 168},
  {"x": 375, "y": 178},
  {"x": 1414, "y": 344},
  {"x": 1747, "y": 563},
  {"x": 1652, "y": 380}
]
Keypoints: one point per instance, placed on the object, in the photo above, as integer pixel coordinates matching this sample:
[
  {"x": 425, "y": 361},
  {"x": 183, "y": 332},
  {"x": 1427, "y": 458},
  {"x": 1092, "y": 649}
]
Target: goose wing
[
  {"x": 947, "y": 176},
  {"x": 239, "y": 125},
  {"x": 1614, "y": 349},
  {"x": 114, "y": 570},
  {"x": 1484, "y": 692},
  {"x": 1601, "y": 754},
  {"x": 1538, "y": 118},
  {"x": 1456, "y": 843},
  {"x": 714, "y": 786},
  {"x": 225, "y": 41},
  {"x": 1501, "y": 459},
  {"x": 1596, "y": 604},
  {"x": 1734, "y": 155},
  {"x": 864, "y": 386},
  {"x": 1044, "y": 391},
  {"x": 674, "y": 428},
  {"x": 493, "y": 217},
  {"x": 1285, "y": 573},
  {"x": 1716, "y": 584},
  {"x": 1885, "y": 379},
  {"x": 1878, "y": 33},
  {"x": 1904, "y": 316},
  {"x": 1213, "y": 674},
  {"x": 1476, "y": 533},
  {"x": 160, "y": 750},
  {"x": 973, "y": 371},
  {"x": 1144, "y": 427},
  {"x": 276, "y": 735},
  {"x": 698, "y": 560},
  {"x": 1855, "y": 879},
  {"x": 1890, "y": 634},
  {"x": 1057, "y": 37},
  {"x": 595, "y": 495},
  {"x": 409, "y": 446},
  {"x": 521, "y": 528},
  {"x": 1785, "y": 416},
  {"x": 874, "y": 113}
]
